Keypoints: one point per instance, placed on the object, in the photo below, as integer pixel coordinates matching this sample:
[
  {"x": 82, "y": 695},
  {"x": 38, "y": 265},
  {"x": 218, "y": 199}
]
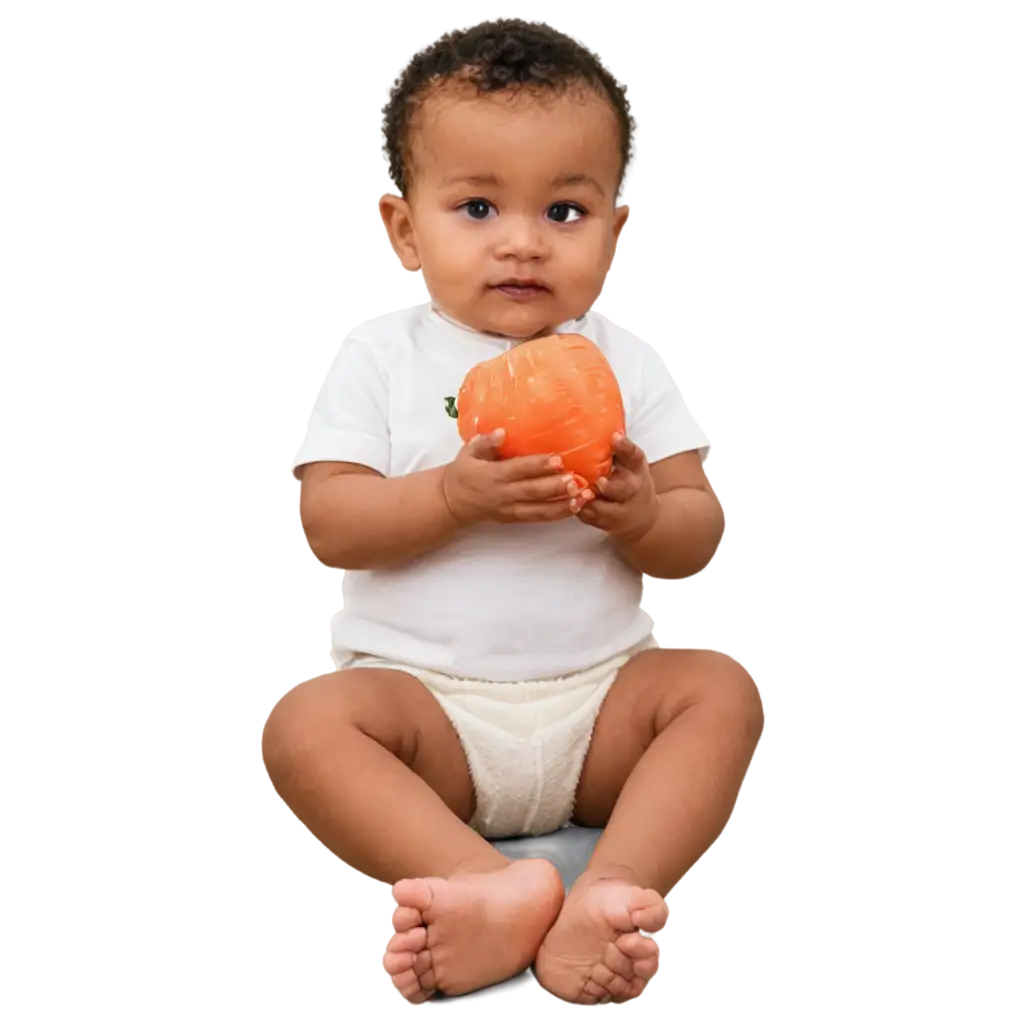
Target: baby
[{"x": 496, "y": 675}]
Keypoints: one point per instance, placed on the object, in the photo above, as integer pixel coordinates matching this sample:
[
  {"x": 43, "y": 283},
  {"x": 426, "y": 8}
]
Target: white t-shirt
[{"x": 503, "y": 601}]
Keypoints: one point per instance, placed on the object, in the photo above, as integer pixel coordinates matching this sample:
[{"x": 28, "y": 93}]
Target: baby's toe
[
  {"x": 403, "y": 979},
  {"x": 618, "y": 986},
  {"x": 636, "y": 946},
  {"x": 413, "y": 940},
  {"x": 618, "y": 962},
  {"x": 646, "y": 969},
  {"x": 601, "y": 975},
  {"x": 399, "y": 964},
  {"x": 594, "y": 993},
  {"x": 650, "y": 912},
  {"x": 405, "y": 918},
  {"x": 414, "y": 893}
]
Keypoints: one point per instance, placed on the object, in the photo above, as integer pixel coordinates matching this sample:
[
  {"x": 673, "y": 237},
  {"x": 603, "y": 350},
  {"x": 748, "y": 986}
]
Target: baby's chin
[
  {"x": 544, "y": 332},
  {"x": 515, "y": 324}
]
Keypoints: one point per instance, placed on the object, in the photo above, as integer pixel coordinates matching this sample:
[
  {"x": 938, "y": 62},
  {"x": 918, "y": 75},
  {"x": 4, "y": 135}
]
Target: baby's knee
[
  {"x": 714, "y": 684},
  {"x": 726, "y": 689},
  {"x": 736, "y": 690},
  {"x": 291, "y": 726}
]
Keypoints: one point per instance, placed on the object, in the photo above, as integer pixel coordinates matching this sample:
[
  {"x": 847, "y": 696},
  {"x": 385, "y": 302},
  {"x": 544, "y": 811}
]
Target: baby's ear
[
  {"x": 397, "y": 217},
  {"x": 619, "y": 220}
]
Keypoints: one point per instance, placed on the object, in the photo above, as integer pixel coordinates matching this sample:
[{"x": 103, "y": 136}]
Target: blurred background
[{"x": 825, "y": 246}]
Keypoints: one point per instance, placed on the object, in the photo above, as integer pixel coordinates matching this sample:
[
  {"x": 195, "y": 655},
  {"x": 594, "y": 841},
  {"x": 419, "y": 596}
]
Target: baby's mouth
[{"x": 521, "y": 290}]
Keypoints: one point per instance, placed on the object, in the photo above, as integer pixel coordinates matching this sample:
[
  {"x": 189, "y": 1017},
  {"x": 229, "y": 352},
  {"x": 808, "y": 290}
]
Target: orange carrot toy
[{"x": 555, "y": 394}]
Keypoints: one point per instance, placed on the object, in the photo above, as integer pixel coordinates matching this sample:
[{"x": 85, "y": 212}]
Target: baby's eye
[
  {"x": 475, "y": 203},
  {"x": 563, "y": 212}
]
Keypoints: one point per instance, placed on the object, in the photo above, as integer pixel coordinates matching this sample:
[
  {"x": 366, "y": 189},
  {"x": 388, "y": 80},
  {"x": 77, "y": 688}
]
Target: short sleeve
[
  {"x": 349, "y": 421},
  {"x": 662, "y": 424}
]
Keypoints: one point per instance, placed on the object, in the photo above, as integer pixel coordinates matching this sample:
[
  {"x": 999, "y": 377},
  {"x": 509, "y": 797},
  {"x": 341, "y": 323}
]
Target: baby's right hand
[{"x": 478, "y": 486}]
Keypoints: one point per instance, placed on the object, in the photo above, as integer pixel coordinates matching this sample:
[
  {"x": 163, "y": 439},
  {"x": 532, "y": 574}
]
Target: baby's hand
[
  {"x": 627, "y": 503},
  {"x": 478, "y": 486}
]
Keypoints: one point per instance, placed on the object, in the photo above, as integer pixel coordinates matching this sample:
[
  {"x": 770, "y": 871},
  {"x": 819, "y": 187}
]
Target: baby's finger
[
  {"x": 620, "y": 486},
  {"x": 485, "y": 446},
  {"x": 538, "y": 511},
  {"x": 528, "y": 467},
  {"x": 597, "y": 512},
  {"x": 627, "y": 454},
  {"x": 581, "y": 499},
  {"x": 544, "y": 488}
]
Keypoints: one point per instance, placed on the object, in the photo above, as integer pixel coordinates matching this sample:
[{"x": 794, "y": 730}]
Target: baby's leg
[
  {"x": 668, "y": 754},
  {"x": 369, "y": 762}
]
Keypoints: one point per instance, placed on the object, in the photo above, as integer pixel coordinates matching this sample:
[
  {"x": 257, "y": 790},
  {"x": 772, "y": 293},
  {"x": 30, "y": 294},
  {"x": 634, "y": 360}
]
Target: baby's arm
[
  {"x": 689, "y": 522},
  {"x": 354, "y": 518}
]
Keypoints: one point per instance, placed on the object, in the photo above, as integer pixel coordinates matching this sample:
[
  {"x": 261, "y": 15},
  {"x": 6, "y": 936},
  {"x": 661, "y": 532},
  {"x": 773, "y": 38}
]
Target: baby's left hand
[{"x": 627, "y": 503}]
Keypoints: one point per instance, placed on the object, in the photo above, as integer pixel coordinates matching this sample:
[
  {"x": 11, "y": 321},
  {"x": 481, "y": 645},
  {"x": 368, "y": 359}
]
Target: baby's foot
[
  {"x": 469, "y": 931},
  {"x": 595, "y": 953}
]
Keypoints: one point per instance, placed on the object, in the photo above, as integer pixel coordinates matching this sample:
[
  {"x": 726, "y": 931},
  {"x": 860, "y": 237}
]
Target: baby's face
[{"x": 516, "y": 219}]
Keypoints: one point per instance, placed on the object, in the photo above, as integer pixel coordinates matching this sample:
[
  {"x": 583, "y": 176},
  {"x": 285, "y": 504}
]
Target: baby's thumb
[{"x": 485, "y": 446}]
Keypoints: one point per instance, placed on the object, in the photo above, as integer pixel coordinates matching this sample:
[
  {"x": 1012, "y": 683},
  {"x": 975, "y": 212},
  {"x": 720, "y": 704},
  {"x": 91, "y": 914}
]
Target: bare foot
[
  {"x": 469, "y": 931},
  {"x": 595, "y": 952}
]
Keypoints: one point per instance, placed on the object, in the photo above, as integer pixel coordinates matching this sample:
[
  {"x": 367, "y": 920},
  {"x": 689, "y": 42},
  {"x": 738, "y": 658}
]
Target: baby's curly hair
[{"x": 495, "y": 55}]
